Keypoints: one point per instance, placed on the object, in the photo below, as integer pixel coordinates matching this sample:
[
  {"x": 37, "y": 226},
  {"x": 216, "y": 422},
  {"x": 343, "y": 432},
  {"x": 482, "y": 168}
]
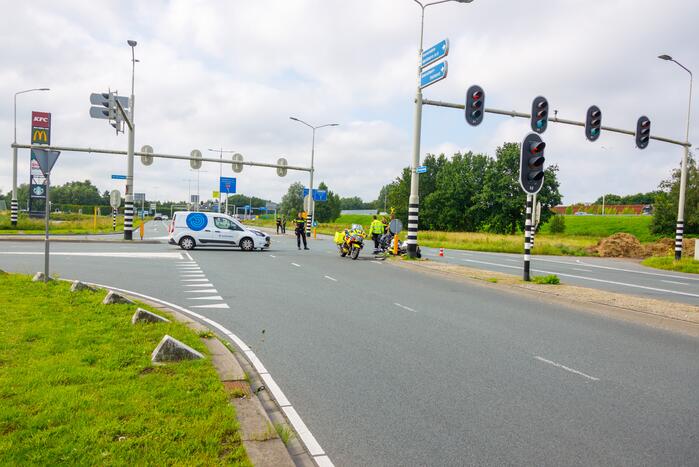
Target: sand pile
[{"x": 619, "y": 245}]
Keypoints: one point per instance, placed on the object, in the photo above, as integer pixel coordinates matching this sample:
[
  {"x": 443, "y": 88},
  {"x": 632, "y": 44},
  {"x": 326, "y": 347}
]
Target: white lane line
[
  {"x": 625, "y": 284},
  {"x": 188, "y": 256},
  {"x": 590, "y": 265},
  {"x": 512, "y": 260},
  {"x": 194, "y": 275},
  {"x": 186, "y": 263},
  {"x": 297, "y": 265},
  {"x": 673, "y": 282},
  {"x": 272, "y": 256},
  {"x": 213, "y": 297},
  {"x": 213, "y": 305},
  {"x": 302, "y": 430},
  {"x": 105, "y": 254},
  {"x": 194, "y": 280},
  {"x": 331, "y": 278},
  {"x": 376, "y": 262},
  {"x": 563, "y": 367},
  {"x": 583, "y": 270},
  {"x": 198, "y": 285},
  {"x": 404, "y": 307},
  {"x": 201, "y": 291}
]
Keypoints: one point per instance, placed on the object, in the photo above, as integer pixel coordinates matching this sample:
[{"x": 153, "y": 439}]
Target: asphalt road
[{"x": 388, "y": 366}]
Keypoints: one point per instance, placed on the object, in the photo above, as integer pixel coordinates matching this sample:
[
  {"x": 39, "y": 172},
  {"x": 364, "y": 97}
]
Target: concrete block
[
  {"x": 78, "y": 286},
  {"x": 39, "y": 277},
  {"x": 146, "y": 316},
  {"x": 113, "y": 297},
  {"x": 171, "y": 350}
]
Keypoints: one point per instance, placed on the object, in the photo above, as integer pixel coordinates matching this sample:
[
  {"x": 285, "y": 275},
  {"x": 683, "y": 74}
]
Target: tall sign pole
[
  {"x": 46, "y": 159},
  {"x": 128, "y": 204}
]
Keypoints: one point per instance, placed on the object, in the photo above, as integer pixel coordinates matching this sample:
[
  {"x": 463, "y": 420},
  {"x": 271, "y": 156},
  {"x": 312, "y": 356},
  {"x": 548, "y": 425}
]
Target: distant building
[{"x": 630, "y": 209}]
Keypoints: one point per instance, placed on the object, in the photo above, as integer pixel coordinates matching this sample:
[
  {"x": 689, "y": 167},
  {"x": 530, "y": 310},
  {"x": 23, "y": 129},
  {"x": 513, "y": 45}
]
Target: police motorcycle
[{"x": 351, "y": 241}]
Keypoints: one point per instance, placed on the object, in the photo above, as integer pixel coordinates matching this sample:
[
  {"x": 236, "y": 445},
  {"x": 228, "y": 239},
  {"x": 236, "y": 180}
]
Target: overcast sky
[{"x": 230, "y": 73}]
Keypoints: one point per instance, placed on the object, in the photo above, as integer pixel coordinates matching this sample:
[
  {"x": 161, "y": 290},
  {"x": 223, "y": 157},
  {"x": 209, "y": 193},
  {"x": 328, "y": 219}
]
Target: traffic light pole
[
  {"x": 679, "y": 232},
  {"x": 128, "y": 202},
  {"x": 513, "y": 113},
  {"x": 528, "y": 238}
]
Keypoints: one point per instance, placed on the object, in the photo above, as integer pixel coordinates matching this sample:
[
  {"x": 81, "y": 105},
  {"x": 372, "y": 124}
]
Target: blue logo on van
[{"x": 196, "y": 221}]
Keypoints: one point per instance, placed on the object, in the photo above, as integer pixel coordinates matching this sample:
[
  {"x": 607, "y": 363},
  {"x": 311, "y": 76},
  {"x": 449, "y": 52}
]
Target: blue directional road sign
[
  {"x": 434, "y": 74},
  {"x": 436, "y": 52},
  {"x": 118, "y": 177},
  {"x": 227, "y": 185},
  {"x": 318, "y": 195},
  {"x": 421, "y": 170}
]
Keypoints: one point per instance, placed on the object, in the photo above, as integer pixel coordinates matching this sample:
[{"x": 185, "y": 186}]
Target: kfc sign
[{"x": 41, "y": 120}]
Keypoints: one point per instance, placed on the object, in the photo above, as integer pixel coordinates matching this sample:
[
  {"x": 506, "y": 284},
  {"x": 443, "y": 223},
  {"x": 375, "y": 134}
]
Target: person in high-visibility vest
[
  {"x": 300, "y": 231},
  {"x": 376, "y": 229}
]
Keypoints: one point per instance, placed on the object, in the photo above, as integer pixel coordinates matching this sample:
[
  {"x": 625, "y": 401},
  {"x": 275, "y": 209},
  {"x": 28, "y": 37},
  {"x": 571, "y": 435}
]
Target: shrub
[
  {"x": 557, "y": 225},
  {"x": 550, "y": 279},
  {"x": 569, "y": 211}
]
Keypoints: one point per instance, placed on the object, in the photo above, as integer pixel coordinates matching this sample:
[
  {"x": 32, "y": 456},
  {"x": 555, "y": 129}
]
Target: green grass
[
  {"x": 668, "y": 262},
  {"x": 604, "y": 226},
  {"x": 77, "y": 386},
  {"x": 63, "y": 224},
  {"x": 550, "y": 279}
]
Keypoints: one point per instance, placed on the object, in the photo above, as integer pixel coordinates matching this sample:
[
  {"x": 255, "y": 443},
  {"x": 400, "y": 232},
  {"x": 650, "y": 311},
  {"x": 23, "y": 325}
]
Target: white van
[{"x": 190, "y": 229}]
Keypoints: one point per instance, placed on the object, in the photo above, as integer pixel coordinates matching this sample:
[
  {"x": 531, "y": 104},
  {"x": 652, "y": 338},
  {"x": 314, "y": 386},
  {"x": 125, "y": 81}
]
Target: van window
[{"x": 222, "y": 223}]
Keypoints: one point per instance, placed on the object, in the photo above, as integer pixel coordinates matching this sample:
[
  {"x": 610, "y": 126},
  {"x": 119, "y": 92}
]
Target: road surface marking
[
  {"x": 213, "y": 305},
  {"x": 376, "y": 262},
  {"x": 673, "y": 282},
  {"x": 404, "y": 307},
  {"x": 583, "y": 270},
  {"x": 215, "y": 297},
  {"x": 590, "y": 265},
  {"x": 201, "y": 291},
  {"x": 198, "y": 285},
  {"x": 563, "y": 367},
  {"x": 297, "y": 265},
  {"x": 194, "y": 275},
  {"x": 105, "y": 254},
  {"x": 272, "y": 256},
  {"x": 194, "y": 280},
  {"x": 655, "y": 289},
  {"x": 304, "y": 433},
  {"x": 512, "y": 260},
  {"x": 331, "y": 278},
  {"x": 188, "y": 256}
]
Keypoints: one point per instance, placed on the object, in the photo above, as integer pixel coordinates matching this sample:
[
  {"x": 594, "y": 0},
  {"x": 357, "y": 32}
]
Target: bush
[
  {"x": 550, "y": 279},
  {"x": 557, "y": 225},
  {"x": 569, "y": 210}
]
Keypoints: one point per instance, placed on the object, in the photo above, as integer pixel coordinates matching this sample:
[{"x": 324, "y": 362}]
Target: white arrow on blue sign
[
  {"x": 436, "y": 52},
  {"x": 421, "y": 170},
  {"x": 118, "y": 177},
  {"x": 434, "y": 74}
]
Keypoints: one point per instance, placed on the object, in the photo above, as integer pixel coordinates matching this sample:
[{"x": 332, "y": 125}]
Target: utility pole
[{"x": 128, "y": 203}]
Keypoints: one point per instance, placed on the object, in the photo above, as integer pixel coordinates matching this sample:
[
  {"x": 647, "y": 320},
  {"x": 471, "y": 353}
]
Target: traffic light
[
  {"x": 531, "y": 164},
  {"x": 642, "y": 132},
  {"x": 475, "y": 105},
  {"x": 540, "y": 114},
  {"x": 106, "y": 105},
  {"x": 593, "y": 123}
]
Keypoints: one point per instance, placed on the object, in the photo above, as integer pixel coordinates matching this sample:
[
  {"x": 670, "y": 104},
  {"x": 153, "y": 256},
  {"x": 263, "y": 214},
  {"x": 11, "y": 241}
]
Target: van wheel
[
  {"x": 187, "y": 243},
  {"x": 247, "y": 244}
]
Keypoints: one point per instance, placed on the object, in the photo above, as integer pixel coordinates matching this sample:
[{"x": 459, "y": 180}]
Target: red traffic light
[{"x": 537, "y": 147}]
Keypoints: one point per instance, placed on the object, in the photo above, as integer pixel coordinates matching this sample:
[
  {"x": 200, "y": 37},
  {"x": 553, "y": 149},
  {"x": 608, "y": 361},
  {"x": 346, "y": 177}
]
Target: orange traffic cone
[{"x": 441, "y": 252}]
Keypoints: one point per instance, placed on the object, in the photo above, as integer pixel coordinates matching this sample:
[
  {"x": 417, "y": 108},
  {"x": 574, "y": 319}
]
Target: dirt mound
[
  {"x": 666, "y": 247},
  {"x": 619, "y": 245},
  {"x": 662, "y": 247}
]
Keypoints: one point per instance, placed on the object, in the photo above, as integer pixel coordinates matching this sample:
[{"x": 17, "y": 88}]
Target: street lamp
[
  {"x": 311, "y": 201},
  {"x": 679, "y": 232},
  {"x": 220, "y": 174},
  {"x": 14, "y": 210},
  {"x": 414, "y": 200},
  {"x": 128, "y": 202}
]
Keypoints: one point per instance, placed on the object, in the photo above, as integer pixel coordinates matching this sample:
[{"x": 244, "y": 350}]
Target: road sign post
[{"x": 46, "y": 160}]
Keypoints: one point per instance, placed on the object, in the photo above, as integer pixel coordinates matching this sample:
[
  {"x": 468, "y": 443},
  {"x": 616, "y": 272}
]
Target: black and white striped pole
[
  {"x": 114, "y": 212},
  {"x": 531, "y": 178},
  {"x": 528, "y": 237}
]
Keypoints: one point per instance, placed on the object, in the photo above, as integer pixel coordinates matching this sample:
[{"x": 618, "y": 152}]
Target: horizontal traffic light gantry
[
  {"x": 475, "y": 105},
  {"x": 531, "y": 165},
  {"x": 642, "y": 132},
  {"x": 593, "y": 123},
  {"x": 540, "y": 114}
]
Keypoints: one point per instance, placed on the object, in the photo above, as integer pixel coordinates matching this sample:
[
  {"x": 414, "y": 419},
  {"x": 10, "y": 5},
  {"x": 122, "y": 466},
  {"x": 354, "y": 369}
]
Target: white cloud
[{"x": 230, "y": 73}]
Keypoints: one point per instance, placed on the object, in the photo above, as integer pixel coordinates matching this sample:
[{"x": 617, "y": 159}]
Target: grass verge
[
  {"x": 668, "y": 262},
  {"x": 63, "y": 224},
  {"x": 77, "y": 386}
]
